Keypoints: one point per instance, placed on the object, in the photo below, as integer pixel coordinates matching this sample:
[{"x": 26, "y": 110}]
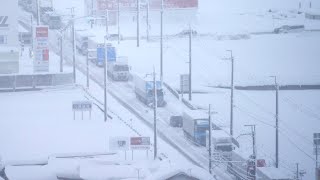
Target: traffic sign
[
  {"x": 111, "y": 53},
  {"x": 101, "y": 54},
  {"x": 184, "y": 83},
  {"x": 119, "y": 143}
]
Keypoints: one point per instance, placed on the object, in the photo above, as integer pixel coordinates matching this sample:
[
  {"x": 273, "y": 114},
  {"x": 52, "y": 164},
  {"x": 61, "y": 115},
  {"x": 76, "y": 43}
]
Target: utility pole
[
  {"x": 105, "y": 85},
  {"x": 107, "y": 22},
  {"x": 87, "y": 64},
  {"x": 138, "y": 23},
  {"x": 38, "y": 12},
  {"x": 31, "y": 30},
  {"x": 253, "y": 135},
  {"x": 61, "y": 53},
  {"x": 161, "y": 42},
  {"x": 73, "y": 46},
  {"x": 210, "y": 132},
  {"x": 190, "y": 64},
  {"x": 118, "y": 19},
  {"x": 232, "y": 90},
  {"x": 277, "y": 119},
  {"x": 155, "y": 105},
  {"x": 148, "y": 20},
  {"x": 297, "y": 171}
]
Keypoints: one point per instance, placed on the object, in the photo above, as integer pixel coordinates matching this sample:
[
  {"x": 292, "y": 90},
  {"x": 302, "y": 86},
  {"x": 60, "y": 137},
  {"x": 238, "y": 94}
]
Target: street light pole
[
  {"x": 161, "y": 42},
  {"x": 118, "y": 19},
  {"x": 253, "y": 134},
  {"x": 210, "y": 132},
  {"x": 138, "y": 23},
  {"x": 190, "y": 63},
  {"x": 277, "y": 120},
  {"x": 155, "y": 105}
]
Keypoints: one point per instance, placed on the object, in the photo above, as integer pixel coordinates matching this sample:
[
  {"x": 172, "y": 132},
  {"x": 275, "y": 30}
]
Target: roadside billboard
[
  {"x": 140, "y": 143},
  {"x": 41, "y": 49}
]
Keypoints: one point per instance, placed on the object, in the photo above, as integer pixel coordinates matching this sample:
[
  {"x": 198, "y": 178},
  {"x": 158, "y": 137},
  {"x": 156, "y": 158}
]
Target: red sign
[
  {"x": 41, "y": 32},
  {"x": 261, "y": 163},
  {"x": 140, "y": 142},
  {"x": 45, "y": 54}
]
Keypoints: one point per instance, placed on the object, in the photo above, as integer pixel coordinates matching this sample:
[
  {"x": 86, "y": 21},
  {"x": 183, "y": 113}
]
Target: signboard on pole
[
  {"x": 316, "y": 143},
  {"x": 140, "y": 143},
  {"x": 119, "y": 143},
  {"x": 101, "y": 55},
  {"x": 111, "y": 53},
  {"x": 41, "y": 49},
  {"x": 184, "y": 83},
  {"x": 82, "y": 106}
]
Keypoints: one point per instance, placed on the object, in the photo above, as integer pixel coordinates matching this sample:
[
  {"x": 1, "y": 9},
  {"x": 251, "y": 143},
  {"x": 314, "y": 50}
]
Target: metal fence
[{"x": 34, "y": 80}]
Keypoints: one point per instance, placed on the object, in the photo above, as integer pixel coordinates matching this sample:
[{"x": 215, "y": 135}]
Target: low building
[
  {"x": 9, "y": 37},
  {"x": 312, "y": 14}
]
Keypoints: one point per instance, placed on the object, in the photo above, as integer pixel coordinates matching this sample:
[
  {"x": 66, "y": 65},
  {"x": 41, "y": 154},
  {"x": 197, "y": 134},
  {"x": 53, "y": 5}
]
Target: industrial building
[{"x": 9, "y": 37}]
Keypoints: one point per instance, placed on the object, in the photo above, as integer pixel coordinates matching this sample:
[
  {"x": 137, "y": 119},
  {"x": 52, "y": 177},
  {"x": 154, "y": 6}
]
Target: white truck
[
  {"x": 82, "y": 39},
  {"x": 221, "y": 142},
  {"x": 144, "y": 90},
  {"x": 118, "y": 70}
]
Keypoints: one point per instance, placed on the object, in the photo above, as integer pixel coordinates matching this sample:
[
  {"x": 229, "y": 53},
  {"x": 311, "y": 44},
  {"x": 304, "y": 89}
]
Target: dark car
[
  {"x": 187, "y": 32},
  {"x": 176, "y": 121}
]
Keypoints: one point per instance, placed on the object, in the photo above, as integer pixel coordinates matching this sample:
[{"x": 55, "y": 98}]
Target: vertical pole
[
  {"x": 161, "y": 42},
  {"x": 105, "y": 89},
  {"x": 118, "y": 19},
  {"x": 297, "y": 171},
  {"x": 138, "y": 21},
  {"x": 155, "y": 105},
  {"x": 231, "y": 99},
  {"x": 73, "y": 46},
  {"x": 31, "y": 30},
  {"x": 38, "y": 12},
  {"x": 190, "y": 64},
  {"x": 316, "y": 156},
  {"x": 277, "y": 125},
  {"x": 210, "y": 150},
  {"x": 61, "y": 53},
  {"x": 107, "y": 23},
  {"x": 87, "y": 64},
  {"x": 255, "y": 151},
  {"x": 148, "y": 20}
]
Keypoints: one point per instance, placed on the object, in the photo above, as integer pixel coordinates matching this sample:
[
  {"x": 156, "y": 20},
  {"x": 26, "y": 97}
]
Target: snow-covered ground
[{"x": 292, "y": 57}]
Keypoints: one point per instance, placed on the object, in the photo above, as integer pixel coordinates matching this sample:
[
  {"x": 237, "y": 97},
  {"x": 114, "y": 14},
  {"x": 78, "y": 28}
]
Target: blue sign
[
  {"x": 101, "y": 55},
  {"x": 111, "y": 53}
]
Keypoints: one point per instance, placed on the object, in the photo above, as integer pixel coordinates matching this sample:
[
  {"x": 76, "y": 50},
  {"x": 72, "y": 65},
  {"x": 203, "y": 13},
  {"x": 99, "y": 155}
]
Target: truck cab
[
  {"x": 221, "y": 142},
  {"x": 119, "y": 70}
]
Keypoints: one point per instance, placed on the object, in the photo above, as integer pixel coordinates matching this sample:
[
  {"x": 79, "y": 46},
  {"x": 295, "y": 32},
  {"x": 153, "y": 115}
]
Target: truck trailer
[
  {"x": 144, "y": 90},
  {"x": 195, "y": 125}
]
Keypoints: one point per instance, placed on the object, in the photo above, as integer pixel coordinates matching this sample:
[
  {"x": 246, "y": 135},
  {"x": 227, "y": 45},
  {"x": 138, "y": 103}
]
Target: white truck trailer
[
  {"x": 144, "y": 90},
  {"x": 195, "y": 125}
]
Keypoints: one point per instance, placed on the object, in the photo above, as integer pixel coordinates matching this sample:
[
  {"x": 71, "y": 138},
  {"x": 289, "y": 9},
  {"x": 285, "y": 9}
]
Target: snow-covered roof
[
  {"x": 313, "y": 11},
  {"x": 219, "y": 134},
  {"x": 168, "y": 172},
  {"x": 22, "y": 29},
  {"x": 276, "y": 173}
]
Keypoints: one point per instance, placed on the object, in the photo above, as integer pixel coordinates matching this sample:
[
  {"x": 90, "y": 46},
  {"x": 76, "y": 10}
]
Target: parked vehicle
[
  {"x": 113, "y": 37},
  {"x": 176, "y": 121},
  {"x": 144, "y": 90},
  {"x": 195, "y": 125},
  {"x": 288, "y": 29},
  {"x": 118, "y": 70},
  {"x": 186, "y": 33}
]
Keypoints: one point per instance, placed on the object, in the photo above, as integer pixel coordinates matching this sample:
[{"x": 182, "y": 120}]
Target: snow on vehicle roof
[
  {"x": 219, "y": 134},
  {"x": 22, "y": 29},
  {"x": 196, "y": 114}
]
